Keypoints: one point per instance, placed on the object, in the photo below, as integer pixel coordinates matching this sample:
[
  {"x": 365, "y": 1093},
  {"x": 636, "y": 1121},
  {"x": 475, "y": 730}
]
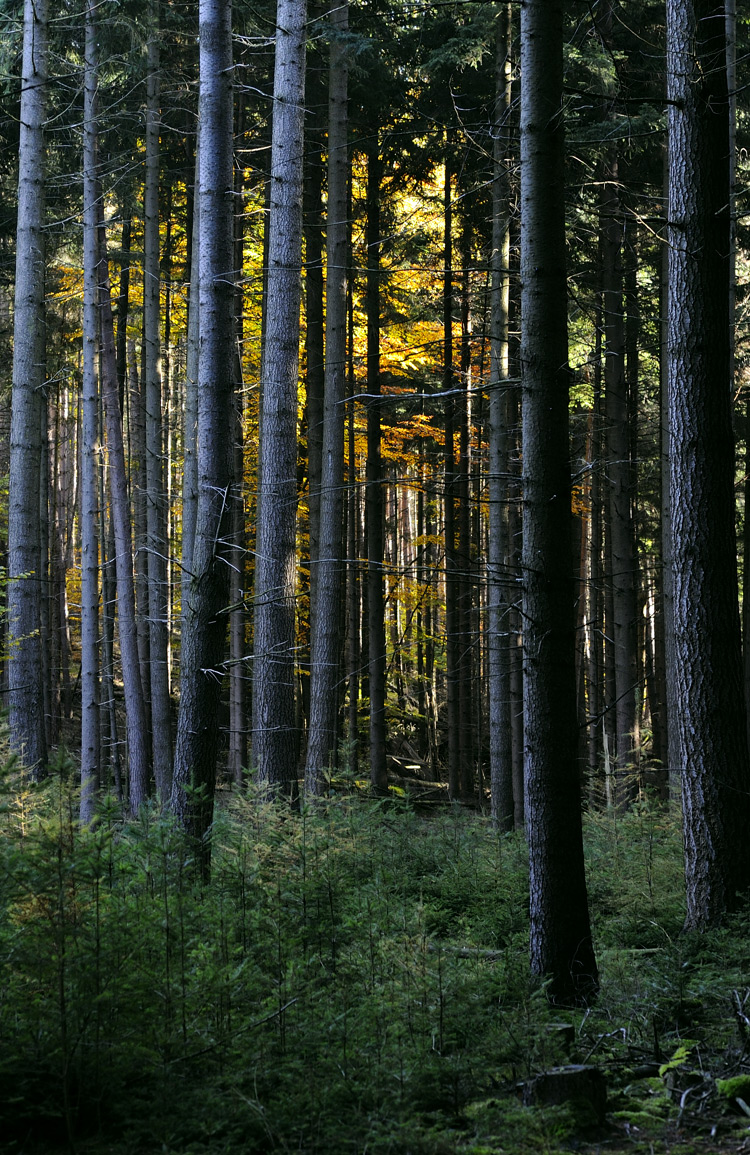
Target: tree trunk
[
  {"x": 156, "y": 512},
  {"x": 274, "y": 729},
  {"x": 325, "y": 609},
  {"x": 619, "y": 478},
  {"x": 713, "y": 750},
  {"x": 26, "y": 565},
  {"x": 501, "y": 766},
  {"x": 561, "y": 945},
  {"x": 374, "y": 490},
  {"x": 135, "y": 710},
  {"x": 90, "y": 754},
  {"x": 205, "y": 619},
  {"x": 452, "y": 714},
  {"x": 464, "y": 584}
]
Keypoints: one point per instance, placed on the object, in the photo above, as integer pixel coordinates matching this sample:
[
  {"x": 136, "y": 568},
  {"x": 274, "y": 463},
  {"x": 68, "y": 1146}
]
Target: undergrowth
[{"x": 353, "y": 978}]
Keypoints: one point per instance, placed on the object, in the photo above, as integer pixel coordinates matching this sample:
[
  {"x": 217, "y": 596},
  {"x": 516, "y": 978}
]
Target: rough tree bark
[
  {"x": 561, "y": 945},
  {"x": 89, "y": 508},
  {"x": 374, "y": 492},
  {"x": 501, "y": 762},
  {"x": 713, "y": 751},
  {"x": 622, "y": 549},
  {"x": 25, "y": 560},
  {"x": 274, "y": 731},
  {"x": 327, "y": 589},
  {"x": 156, "y": 504},
  {"x": 205, "y": 619},
  {"x": 135, "y": 709}
]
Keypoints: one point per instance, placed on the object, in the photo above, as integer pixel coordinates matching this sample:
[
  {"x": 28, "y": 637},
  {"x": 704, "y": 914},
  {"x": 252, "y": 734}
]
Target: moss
[{"x": 737, "y": 1088}]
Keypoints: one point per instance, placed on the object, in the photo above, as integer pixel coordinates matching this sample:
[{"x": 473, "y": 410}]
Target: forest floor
[{"x": 353, "y": 980}]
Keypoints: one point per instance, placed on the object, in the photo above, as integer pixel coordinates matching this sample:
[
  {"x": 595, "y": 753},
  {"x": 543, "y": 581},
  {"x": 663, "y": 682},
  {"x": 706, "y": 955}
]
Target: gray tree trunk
[
  {"x": 561, "y": 945},
  {"x": 713, "y": 749},
  {"x": 25, "y": 561},
  {"x": 326, "y": 651},
  {"x": 274, "y": 730},
  {"x": 156, "y": 512},
  {"x": 89, "y": 504},
  {"x": 205, "y": 618},
  {"x": 501, "y": 757}
]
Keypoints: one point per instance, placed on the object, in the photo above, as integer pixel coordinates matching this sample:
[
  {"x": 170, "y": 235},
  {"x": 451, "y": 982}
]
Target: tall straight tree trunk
[
  {"x": 327, "y": 590},
  {"x": 135, "y": 709},
  {"x": 205, "y": 619},
  {"x": 237, "y": 753},
  {"x": 354, "y": 569},
  {"x": 314, "y": 232},
  {"x": 156, "y": 511},
  {"x": 713, "y": 749},
  {"x": 190, "y": 416},
  {"x": 274, "y": 730},
  {"x": 621, "y": 497},
  {"x": 453, "y": 720},
  {"x": 464, "y": 583},
  {"x": 374, "y": 490},
  {"x": 25, "y": 561},
  {"x": 89, "y": 503},
  {"x": 501, "y": 765},
  {"x": 561, "y": 945}
]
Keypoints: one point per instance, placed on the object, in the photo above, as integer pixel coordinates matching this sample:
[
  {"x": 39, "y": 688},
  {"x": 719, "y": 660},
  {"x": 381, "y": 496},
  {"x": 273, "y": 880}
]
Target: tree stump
[{"x": 580, "y": 1085}]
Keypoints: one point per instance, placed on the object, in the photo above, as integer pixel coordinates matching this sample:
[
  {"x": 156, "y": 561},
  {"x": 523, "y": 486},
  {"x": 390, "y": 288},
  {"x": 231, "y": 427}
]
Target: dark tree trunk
[
  {"x": 620, "y": 495},
  {"x": 156, "y": 500},
  {"x": 561, "y": 945},
  {"x": 452, "y": 706},
  {"x": 713, "y": 750},
  {"x": 374, "y": 490}
]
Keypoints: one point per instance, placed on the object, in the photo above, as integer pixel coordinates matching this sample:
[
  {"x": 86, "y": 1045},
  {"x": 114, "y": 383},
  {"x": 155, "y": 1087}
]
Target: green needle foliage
[{"x": 353, "y": 978}]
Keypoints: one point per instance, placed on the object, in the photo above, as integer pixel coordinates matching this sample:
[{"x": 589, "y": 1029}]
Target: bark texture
[
  {"x": 325, "y": 610},
  {"x": 274, "y": 730},
  {"x": 135, "y": 709},
  {"x": 713, "y": 752},
  {"x": 25, "y": 559},
  {"x": 205, "y": 619},
  {"x": 156, "y": 498},
  {"x": 374, "y": 493},
  {"x": 89, "y": 510},
  {"x": 501, "y": 755},
  {"x": 561, "y": 946}
]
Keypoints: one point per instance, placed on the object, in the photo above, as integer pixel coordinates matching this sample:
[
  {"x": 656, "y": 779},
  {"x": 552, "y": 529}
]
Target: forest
[{"x": 374, "y": 653}]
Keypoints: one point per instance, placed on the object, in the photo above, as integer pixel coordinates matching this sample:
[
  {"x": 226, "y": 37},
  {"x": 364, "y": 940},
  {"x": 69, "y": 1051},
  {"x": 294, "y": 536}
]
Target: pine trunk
[
  {"x": 205, "y": 618},
  {"x": 707, "y": 671},
  {"x": 89, "y": 497},
  {"x": 327, "y": 590},
  {"x": 156, "y": 509},
  {"x": 26, "y": 564},
  {"x": 274, "y": 722},
  {"x": 561, "y": 946},
  {"x": 501, "y": 758}
]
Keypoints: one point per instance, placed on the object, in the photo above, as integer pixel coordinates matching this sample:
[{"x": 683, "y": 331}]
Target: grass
[{"x": 353, "y": 979}]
